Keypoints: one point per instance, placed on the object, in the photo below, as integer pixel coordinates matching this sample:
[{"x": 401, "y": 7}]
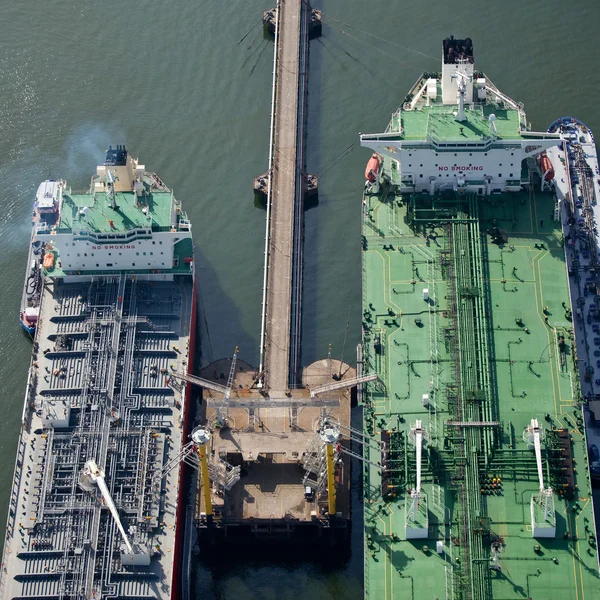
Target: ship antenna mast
[
  {"x": 462, "y": 80},
  {"x": 109, "y": 183}
]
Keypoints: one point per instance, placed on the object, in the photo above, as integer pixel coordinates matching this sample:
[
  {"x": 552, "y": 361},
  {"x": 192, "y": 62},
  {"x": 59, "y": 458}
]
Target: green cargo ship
[{"x": 480, "y": 485}]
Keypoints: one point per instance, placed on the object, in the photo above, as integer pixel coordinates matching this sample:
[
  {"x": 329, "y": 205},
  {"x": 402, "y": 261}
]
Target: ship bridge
[
  {"x": 129, "y": 220},
  {"x": 457, "y": 131}
]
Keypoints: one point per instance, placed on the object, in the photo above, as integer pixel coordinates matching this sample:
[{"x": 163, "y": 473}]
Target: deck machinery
[{"x": 482, "y": 487}]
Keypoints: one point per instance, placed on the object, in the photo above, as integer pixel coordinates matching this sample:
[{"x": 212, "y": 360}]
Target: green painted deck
[
  {"x": 128, "y": 215},
  {"x": 494, "y": 344},
  {"x": 438, "y": 122}
]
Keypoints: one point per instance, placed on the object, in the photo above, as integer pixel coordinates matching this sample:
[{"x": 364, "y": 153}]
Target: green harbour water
[{"x": 187, "y": 87}]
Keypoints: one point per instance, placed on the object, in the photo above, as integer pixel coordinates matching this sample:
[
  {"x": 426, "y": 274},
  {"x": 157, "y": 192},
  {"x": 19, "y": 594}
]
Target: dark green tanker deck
[{"x": 484, "y": 350}]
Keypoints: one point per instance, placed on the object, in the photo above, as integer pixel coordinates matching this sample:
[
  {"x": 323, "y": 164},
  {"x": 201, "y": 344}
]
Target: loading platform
[
  {"x": 272, "y": 471},
  {"x": 271, "y": 439}
]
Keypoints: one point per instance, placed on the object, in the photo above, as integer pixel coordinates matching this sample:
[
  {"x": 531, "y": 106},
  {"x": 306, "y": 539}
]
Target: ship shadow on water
[
  {"x": 216, "y": 308},
  {"x": 309, "y": 569}
]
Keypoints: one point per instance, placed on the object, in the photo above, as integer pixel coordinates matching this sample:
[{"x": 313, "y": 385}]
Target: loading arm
[
  {"x": 205, "y": 383},
  {"x": 339, "y": 385}
]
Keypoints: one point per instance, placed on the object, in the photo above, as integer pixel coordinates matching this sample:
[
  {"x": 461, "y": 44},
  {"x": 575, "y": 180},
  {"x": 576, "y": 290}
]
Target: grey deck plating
[{"x": 95, "y": 392}]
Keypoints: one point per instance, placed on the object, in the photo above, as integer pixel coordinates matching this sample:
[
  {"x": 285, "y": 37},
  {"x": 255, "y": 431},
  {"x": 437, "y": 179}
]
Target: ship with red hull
[{"x": 99, "y": 502}]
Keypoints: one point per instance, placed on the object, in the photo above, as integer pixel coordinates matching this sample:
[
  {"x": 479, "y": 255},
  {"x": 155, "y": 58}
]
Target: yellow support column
[
  {"x": 205, "y": 480},
  {"x": 330, "y": 434},
  {"x": 201, "y": 437},
  {"x": 330, "y": 480}
]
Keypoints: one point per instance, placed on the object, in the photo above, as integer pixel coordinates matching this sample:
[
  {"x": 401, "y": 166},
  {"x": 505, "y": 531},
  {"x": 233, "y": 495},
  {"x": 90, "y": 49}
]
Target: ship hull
[
  {"x": 181, "y": 570},
  {"x": 112, "y": 306},
  {"x": 480, "y": 262}
]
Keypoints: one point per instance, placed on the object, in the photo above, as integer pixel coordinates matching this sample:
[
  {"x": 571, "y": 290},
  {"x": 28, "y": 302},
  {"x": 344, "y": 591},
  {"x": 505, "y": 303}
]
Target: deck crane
[
  {"x": 543, "y": 517},
  {"x": 495, "y": 555},
  {"x": 93, "y": 474},
  {"x": 416, "y": 517},
  {"x": 323, "y": 454}
]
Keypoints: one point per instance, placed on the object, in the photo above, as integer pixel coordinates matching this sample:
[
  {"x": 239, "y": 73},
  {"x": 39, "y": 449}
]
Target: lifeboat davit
[
  {"x": 546, "y": 167},
  {"x": 372, "y": 170}
]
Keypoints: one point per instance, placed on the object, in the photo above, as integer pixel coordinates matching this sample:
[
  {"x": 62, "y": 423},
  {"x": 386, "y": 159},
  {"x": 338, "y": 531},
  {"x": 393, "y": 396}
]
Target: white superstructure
[
  {"x": 128, "y": 220},
  {"x": 457, "y": 131}
]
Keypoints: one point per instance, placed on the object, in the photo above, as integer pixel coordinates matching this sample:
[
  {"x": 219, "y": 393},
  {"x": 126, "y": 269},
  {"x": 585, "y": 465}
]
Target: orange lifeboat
[
  {"x": 546, "y": 167},
  {"x": 48, "y": 260},
  {"x": 372, "y": 170}
]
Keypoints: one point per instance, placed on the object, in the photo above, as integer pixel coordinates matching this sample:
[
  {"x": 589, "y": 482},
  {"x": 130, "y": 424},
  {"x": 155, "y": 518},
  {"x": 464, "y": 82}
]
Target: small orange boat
[
  {"x": 546, "y": 167},
  {"x": 372, "y": 169},
  {"x": 48, "y": 260}
]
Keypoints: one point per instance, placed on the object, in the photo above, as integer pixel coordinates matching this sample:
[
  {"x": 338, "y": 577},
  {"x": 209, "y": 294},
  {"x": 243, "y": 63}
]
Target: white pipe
[
  {"x": 416, "y": 493},
  {"x": 97, "y": 475},
  {"x": 538, "y": 451},
  {"x": 419, "y": 444},
  {"x": 269, "y": 180}
]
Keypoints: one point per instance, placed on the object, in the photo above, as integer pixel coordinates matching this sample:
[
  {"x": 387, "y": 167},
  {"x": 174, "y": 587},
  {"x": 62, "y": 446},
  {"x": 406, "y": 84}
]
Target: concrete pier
[
  {"x": 285, "y": 173},
  {"x": 269, "y": 437},
  {"x": 267, "y": 424},
  {"x": 284, "y": 187}
]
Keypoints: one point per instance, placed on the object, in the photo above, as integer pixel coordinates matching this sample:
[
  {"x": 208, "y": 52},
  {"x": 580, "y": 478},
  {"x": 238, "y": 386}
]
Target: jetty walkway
[{"x": 280, "y": 326}]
